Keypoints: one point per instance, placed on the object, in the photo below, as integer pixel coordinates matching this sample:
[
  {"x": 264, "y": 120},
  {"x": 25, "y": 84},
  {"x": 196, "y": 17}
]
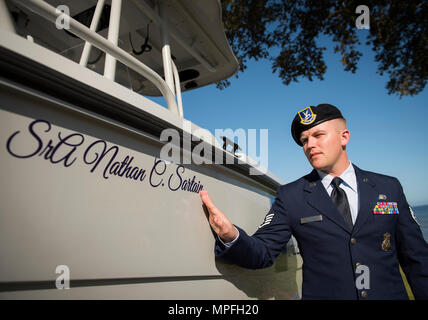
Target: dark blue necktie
[{"x": 341, "y": 201}]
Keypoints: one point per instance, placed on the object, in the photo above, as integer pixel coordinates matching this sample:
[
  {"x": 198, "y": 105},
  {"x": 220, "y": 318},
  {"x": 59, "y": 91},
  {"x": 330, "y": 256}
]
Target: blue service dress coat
[{"x": 331, "y": 250}]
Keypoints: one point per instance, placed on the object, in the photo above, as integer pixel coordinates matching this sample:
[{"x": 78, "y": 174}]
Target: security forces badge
[
  {"x": 413, "y": 215},
  {"x": 307, "y": 116}
]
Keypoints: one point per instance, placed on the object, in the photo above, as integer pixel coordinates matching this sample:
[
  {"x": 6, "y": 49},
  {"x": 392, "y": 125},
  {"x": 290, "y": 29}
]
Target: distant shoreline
[{"x": 420, "y": 206}]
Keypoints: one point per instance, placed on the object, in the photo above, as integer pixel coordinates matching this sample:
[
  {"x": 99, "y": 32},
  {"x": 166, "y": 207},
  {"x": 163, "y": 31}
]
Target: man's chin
[{"x": 317, "y": 165}]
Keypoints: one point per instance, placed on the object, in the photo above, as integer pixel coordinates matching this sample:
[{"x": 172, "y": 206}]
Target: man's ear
[{"x": 345, "y": 136}]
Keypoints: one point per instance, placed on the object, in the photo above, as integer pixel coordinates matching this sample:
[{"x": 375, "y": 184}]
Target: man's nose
[{"x": 311, "y": 142}]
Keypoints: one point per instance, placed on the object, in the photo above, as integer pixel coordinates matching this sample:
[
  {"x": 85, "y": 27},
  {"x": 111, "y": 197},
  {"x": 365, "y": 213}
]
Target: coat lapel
[
  {"x": 367, "y": 198},
  {"x": 319, "y": 199}
]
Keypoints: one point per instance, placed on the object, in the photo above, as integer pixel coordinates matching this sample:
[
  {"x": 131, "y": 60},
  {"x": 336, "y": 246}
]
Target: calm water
[{"x": 421, "y": 214}]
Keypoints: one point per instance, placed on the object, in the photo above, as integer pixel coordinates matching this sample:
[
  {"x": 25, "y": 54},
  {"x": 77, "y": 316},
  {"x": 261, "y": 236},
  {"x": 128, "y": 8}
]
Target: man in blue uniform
[{"x": 346, "y": 221}]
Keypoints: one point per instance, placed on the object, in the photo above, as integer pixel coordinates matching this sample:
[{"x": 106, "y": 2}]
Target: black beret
[{"x": 311, "y": 116}]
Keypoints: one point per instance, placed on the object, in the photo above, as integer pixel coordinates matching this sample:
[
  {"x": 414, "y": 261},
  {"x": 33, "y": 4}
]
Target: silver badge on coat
[{"x": 413, "y": 215}]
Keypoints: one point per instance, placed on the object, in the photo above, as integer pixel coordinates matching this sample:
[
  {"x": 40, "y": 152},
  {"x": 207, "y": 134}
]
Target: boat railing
[{"x": 169, "y": 88}]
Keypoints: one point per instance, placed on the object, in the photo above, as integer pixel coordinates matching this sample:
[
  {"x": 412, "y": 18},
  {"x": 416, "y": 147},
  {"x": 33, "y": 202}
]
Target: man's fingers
[
  {"x": 206, "y": 199},
  {"x": 218, "y": 221}
]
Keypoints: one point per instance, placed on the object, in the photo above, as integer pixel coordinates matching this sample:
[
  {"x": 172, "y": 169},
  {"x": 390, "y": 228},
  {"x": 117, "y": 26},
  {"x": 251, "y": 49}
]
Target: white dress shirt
[{"x": 349, "y": 185}]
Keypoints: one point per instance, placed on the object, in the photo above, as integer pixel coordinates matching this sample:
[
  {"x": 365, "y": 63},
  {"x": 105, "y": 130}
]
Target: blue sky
[{"x": 388, "y": 134}]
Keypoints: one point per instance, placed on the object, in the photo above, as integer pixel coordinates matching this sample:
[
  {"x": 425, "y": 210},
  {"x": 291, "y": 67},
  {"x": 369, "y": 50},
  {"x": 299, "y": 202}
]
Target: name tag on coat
[{"x": 311, "y": 219}]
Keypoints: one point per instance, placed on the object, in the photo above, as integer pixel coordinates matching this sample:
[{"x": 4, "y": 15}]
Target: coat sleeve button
[{"x": 363, "y": 294}]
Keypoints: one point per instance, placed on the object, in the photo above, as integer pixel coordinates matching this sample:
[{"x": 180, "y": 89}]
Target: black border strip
[{"x": 50, "y": 284}]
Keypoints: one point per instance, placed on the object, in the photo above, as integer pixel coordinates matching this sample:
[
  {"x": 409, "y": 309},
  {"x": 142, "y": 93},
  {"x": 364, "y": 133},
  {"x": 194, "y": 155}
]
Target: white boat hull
[{"x": 124, "y": 228}]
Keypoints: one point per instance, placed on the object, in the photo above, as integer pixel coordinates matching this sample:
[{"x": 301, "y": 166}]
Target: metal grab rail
[
  {"x": 177, "y": 89},
  {"x": 52, "y": 14},
  {"x": 94, "y": 25}
]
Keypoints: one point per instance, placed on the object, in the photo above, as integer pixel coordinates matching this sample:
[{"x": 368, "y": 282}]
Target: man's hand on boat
[{"x": 218, "y": 221}]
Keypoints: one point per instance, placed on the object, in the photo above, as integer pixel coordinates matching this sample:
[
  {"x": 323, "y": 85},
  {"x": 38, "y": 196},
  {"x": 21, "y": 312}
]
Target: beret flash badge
[{"x": 307, "y": 116}]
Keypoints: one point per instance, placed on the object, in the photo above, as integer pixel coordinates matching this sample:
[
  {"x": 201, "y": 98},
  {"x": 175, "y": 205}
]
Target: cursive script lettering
[
  {"x": 158, "y": 163},
  {"x": 64, "y": 150},
  {"x": 61, "y": 148},
  {"x": 98, "y": 158},
  {"x": 34, "y": 134},
  {"x": 51, "y": 150},
  {"x": 185, "y": 185},
  {"x": 124, "y": 168}
]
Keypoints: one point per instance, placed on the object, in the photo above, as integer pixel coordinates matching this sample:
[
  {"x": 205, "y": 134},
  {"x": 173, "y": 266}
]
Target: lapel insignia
[
  {"x": 386, "y": 208},
  {"x": 386, "y": 243},
  {"x": 382, "y": 197},
  {"x": 312, "y": 184}
]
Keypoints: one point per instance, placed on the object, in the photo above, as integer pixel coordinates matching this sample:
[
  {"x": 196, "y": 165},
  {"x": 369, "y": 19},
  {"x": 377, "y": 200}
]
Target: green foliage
[{"x": 285, "y": 32}]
